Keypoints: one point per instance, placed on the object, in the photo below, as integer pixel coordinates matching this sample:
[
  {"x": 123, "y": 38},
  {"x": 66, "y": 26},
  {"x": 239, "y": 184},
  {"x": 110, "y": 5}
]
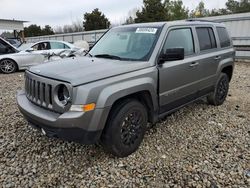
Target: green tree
[
  {"x": 33, "y": 30},
  {"x": 218, "y": 12},
  {"x": 177, "y": 11},
  {"x": 152, "y": 11},
  {"x": 47, "y": 30},
  {"x": 200, "y": 11},
  {"x": 129, "y": 20},
  {"x": 232, "y": 6},
  {"x": 95, "y": 20},
  {"x": 238, "y": 6}
]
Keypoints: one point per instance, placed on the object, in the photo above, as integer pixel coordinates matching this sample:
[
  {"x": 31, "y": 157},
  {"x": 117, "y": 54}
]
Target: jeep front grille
[
  {"x": 39, "y": 92},
  {"x": 42, "y": 92}
]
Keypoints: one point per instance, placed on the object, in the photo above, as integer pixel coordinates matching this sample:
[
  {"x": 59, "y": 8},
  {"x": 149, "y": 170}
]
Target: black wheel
[
  {"x": 8, "y": 66},
  {"x": 221, "y": 90},
  {"x": 125, "y": 128}
]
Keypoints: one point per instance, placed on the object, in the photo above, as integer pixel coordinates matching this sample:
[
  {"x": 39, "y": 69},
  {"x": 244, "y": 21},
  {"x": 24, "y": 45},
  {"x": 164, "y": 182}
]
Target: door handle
[
  {"x": 217, "y": 58},
  {"x": 194, "y": 64}
]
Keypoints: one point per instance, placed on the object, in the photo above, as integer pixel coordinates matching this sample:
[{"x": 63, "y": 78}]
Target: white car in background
[{"x": 33, "y": 54}]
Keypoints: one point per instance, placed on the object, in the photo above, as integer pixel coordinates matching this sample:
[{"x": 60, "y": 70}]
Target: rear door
[
  {"x": 226, "y": 45},
  {"x": 57, "y": 47},
  {"x": 178, "y": 79},
  {"x": 208, "y": 58}
]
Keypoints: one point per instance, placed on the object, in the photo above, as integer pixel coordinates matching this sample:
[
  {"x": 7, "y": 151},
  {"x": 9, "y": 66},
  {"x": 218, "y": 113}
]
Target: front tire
[
  {"x": 8, "y": 66},
  {"x": 125, "y": 128},
  {"x": 219, "y": 95}
]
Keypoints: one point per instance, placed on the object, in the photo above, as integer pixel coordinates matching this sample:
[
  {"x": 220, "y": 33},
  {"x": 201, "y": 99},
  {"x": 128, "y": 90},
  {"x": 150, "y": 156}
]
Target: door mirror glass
[{"x": 172, "y": 54}]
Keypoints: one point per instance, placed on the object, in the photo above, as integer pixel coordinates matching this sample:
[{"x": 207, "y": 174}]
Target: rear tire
[
  {"x": 219, "y": 95},
  {"x": 8, "y": 66},
  {"x": 125, "y": 128}
]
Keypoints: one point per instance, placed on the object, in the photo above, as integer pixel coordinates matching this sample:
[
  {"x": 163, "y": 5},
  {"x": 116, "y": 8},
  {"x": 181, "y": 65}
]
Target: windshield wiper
[
  {"x": 108, "y": 56},
  {"x": 87, "y": 53}
]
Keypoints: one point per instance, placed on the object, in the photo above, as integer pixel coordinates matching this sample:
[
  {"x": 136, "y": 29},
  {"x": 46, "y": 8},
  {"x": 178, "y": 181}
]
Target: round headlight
[{"x": 63, "y": 94}]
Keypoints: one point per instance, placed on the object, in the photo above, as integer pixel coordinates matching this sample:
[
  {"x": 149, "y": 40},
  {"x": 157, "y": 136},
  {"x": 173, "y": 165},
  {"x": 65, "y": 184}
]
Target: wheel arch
[
  {"x": 228, "y": 70},
  {"x": 144, "y": 97}
]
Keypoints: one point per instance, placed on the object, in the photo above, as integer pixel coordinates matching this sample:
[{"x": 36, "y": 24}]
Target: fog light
[{"x": 82, "y": 108}]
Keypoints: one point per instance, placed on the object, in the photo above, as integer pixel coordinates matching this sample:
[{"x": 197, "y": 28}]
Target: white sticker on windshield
[{"x": 146, "y": 30}]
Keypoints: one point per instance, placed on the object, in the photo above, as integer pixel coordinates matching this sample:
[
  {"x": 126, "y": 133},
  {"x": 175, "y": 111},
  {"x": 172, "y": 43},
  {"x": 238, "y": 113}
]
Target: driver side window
[
  {"x": 41, "y": 46},
  {"x": 180, "y": 38}
]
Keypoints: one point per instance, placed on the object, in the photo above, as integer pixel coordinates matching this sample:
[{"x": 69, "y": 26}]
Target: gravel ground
[{"x": 198, "y": 146}]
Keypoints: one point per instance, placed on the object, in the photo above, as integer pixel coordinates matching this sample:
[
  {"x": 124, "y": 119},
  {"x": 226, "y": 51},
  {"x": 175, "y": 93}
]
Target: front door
[{"x": 177, "y": 79}]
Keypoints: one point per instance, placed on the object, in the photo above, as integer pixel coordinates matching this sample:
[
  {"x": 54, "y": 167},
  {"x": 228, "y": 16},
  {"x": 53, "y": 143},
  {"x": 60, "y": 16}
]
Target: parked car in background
[
  {"x": 6, "y": 47},
  {"x": 34, "y": 54},
  {"x": 14, "y": 41}
]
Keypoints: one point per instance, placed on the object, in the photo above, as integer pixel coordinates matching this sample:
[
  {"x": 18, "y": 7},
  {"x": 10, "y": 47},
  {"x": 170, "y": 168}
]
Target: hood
[
  {"x": 83, "y": 70},
  {"x": 8, "y": 45}
]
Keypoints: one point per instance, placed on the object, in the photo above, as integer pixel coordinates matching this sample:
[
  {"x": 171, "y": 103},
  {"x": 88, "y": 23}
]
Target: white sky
[{"x": 61, "y": 12}]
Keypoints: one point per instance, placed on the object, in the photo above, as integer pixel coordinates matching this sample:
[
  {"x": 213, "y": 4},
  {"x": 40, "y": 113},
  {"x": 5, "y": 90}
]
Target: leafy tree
[
  {"x": 95, "y": 20},
  {"x": 233, "y": 6},
  {"x": 158, "y": 10},
  {"x": 130, "y": 20},
  {"x": 47, "y": 30},
  {"x": 177, "y": 10},
  {"x": 200, "y": 11},
  {"x": 218, "y": 12},
  {"x": 152, "y": 11},
  {"x": 131, "y": 16},
  {"x": 244, "y": 6},
  {"x": 35, "y": 30},
  {"x": 238, "y": 6}
]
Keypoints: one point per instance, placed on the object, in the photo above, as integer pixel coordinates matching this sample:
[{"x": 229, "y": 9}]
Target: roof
[
  {"x": 173, "y": 23},
  {"x": 13, "y": 20},
  {"x": 6, "y": 24}
]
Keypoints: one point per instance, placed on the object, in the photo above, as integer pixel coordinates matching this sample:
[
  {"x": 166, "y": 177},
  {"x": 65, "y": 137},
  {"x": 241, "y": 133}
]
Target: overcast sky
[{"x": 61, "y": 12}]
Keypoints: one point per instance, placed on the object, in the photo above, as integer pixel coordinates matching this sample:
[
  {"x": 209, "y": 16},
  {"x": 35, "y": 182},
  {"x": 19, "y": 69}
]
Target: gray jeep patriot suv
[{"x": 134, "y": 74}]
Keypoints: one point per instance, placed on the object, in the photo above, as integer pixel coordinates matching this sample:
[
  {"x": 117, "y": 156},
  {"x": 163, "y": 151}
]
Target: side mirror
[
  {"x": 172, "y": 54},
  {"x": 29, "y": 50}
]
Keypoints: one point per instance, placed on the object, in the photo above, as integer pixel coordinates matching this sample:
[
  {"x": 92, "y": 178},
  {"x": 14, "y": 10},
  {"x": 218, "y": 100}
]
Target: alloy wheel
[
  {"x": 131, "y": 128},
  {"x": 7, "y": 66},
  {"x": 222, "y": 89}
]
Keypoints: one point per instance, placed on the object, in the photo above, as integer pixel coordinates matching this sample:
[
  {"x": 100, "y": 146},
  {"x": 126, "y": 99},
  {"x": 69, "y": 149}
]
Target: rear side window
[
  {"x": 58, "y": 45},
  {"x": 224, "y": 37},
  {"x": 41, "y": 46},
  {"x": 206, "y": 38},
  {"x": 180, "y": 38}
]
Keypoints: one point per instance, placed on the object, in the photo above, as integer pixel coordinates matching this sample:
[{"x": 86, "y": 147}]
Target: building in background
[
  {"x": 239, "y": 27},
  {"x": 17, "y": 26}
]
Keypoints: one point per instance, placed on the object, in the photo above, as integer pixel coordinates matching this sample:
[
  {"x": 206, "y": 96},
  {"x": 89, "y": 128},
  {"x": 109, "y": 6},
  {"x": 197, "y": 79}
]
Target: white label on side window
[{"x": 146, "y": 30}]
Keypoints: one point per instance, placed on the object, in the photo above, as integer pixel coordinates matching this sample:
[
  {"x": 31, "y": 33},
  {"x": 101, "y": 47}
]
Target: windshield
[
  {"x": 127, "y": 43},
  {"x": 25, "y": 46}
]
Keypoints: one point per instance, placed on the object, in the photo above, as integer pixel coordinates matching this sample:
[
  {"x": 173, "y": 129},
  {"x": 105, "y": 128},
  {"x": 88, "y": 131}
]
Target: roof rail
[{"x": 199, "y": 20}]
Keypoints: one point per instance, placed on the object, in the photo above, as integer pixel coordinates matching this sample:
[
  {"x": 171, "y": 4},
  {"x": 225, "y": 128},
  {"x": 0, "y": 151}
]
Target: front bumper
[{"x": 78, "y": 127}]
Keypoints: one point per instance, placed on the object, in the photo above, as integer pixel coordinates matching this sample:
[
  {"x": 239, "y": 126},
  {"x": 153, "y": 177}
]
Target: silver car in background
[{"x": 32, "y": 54}]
